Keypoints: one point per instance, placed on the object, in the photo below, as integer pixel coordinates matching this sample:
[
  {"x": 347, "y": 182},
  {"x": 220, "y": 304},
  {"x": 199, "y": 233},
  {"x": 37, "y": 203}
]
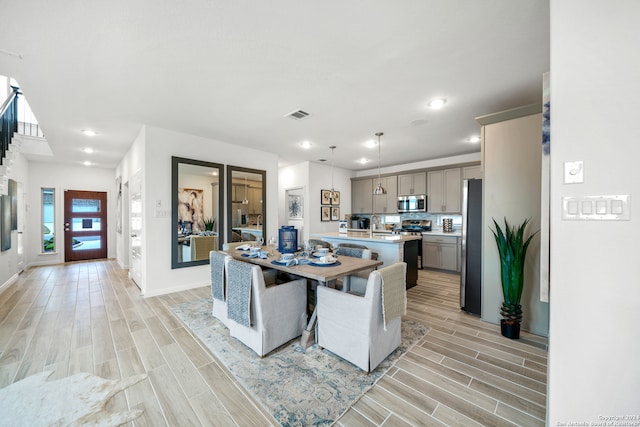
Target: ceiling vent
[{"x": 297, "y": 115}]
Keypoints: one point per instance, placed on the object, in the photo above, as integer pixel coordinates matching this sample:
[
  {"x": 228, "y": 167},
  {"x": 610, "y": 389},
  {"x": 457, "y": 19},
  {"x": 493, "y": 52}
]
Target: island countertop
[{"x": 365, "y": 237}]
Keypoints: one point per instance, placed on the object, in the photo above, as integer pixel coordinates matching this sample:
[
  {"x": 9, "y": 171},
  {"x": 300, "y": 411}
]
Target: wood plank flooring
[{"x": 89, "y": 317}]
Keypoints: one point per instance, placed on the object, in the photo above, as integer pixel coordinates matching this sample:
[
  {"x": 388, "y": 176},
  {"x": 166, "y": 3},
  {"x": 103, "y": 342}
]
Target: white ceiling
[{"x": 230, "y": 70}]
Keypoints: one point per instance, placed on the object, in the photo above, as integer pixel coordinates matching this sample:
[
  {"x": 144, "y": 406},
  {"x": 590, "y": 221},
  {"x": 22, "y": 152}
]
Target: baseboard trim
[{"x": 8, "y": 283}]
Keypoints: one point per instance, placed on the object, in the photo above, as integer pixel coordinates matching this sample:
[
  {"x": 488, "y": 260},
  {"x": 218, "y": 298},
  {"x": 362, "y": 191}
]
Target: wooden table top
[{"x": 348, "y": 265}]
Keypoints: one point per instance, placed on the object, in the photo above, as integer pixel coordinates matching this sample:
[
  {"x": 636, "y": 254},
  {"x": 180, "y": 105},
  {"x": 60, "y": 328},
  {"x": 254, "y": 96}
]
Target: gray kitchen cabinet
[
  {"x": 255, "y": 200},
  {"x": 362, "y": 196},
  {"x": 414, "y": 183},
  {"x": 445, "y": 191},
  {"x": 472, "y": 172},
  {"x": 386, "y": 203},
  {"x": 441, "y": 252}
]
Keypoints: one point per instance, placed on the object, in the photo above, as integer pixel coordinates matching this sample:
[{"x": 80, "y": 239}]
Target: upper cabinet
[
  {"x": 414, "y": 183},
  {"x": 445, "y": 188},
  {"x": 386, "y": 203},
  {"x": 362, "y": 195},
  {"x": 255, "y": 200},
  {"x": 472, "y": 172}
]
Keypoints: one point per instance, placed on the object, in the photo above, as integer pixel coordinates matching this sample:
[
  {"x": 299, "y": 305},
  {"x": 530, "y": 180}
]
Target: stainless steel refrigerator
[{"x": 471, "y": 274}]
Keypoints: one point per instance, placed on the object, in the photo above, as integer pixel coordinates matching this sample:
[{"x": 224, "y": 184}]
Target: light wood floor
[{"x": 89, "y": 317}]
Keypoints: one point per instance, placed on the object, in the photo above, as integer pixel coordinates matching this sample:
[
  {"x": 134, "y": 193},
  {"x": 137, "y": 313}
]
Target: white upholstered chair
[
  {"x": 277, "y": 313},
  {"x": 353, "y": 327},
  {"x": 219, "y": 286}
]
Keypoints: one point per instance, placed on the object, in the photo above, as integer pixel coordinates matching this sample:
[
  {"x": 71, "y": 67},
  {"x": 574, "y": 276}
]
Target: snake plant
[
  {"x": 512, "y": 247},
  {"x": 209, "y": 224}
]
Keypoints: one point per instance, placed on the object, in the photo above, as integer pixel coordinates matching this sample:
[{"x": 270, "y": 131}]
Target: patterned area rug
[
  {"x": 78, "y": 400},
  {"x": 298, "y": 387}
]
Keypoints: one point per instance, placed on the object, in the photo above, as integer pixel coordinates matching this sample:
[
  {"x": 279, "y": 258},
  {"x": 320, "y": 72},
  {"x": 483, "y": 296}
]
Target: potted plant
[
  {"x": 209, "y": 224},
  {"x": 512, "y": 247}
]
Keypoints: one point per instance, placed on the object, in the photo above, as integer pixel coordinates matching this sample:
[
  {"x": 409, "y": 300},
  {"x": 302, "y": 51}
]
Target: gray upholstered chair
[
  {"x": 315, "y": 243},
  {"x": 263, "y": 315},
  {"x": 363, "y": 329}
]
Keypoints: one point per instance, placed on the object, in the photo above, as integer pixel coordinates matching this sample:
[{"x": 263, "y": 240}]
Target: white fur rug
[{"x": 78, "y": 400}]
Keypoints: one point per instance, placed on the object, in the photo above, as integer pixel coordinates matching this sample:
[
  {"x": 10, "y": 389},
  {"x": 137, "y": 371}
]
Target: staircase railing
[{"x": 8, "y": 122}]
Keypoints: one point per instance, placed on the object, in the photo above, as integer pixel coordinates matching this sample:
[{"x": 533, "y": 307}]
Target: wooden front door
[{"x": 85, "y": 225}]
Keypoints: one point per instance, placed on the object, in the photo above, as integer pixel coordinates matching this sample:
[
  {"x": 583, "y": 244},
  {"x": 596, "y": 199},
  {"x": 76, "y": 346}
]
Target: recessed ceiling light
[
  {"x": 437, "y": 103},
  {"x": 88, "y": 150},
  {"x": 306, "y": 145},
  {"x": 363, "y": 161},
  {"x": 86, "y": 163},
  {"x": 89, "y": 132},
  {"x": 371, "y": 143},
  {"x": 474, "y": 139}
]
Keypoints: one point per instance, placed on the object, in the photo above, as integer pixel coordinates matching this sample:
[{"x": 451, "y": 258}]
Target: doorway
[{"x": 85, "y": 225}]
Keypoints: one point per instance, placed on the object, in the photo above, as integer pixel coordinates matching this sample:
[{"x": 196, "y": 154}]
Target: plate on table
[
  {"x": 281, "y": 261},
  {"x": 325, "y": 263},
  {"x": 318, "y": 254}
]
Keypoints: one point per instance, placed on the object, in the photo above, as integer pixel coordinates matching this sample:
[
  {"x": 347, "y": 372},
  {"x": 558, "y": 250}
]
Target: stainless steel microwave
[{"x": 412, "y": 204}]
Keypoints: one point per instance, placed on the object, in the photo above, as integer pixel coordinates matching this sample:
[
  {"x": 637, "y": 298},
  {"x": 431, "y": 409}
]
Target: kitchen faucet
[{"x": 259, "y": 220}]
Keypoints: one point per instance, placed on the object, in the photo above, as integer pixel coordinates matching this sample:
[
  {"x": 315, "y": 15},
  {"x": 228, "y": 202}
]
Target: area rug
[
  {"x": 78, "y": 400},
  {"x": 298, "y": 387}
]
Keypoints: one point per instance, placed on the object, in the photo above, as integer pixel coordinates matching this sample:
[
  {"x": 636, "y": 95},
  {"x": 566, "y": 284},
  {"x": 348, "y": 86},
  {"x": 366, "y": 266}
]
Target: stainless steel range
[{"x": 414, "y": 227}]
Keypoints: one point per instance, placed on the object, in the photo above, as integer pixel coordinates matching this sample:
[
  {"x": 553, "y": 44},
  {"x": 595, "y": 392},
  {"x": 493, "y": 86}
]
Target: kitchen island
[{"x": 391, "y": 248}]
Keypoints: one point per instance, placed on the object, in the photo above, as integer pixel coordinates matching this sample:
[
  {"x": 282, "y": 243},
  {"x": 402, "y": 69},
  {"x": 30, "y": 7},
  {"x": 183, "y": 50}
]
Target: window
[{"x": 48, "y": 220}]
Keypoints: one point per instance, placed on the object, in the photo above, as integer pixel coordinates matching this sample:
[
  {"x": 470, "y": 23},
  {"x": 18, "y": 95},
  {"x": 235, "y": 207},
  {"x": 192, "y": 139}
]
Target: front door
[{"x": 85, "y": 225}]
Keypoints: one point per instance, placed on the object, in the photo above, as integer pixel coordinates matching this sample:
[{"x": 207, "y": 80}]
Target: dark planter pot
[{"x": 510, "y": 329}]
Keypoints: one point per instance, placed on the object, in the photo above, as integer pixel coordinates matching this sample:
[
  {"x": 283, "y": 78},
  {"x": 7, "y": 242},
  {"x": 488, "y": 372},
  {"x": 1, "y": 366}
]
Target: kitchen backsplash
[{"x": 436, "y": 219}]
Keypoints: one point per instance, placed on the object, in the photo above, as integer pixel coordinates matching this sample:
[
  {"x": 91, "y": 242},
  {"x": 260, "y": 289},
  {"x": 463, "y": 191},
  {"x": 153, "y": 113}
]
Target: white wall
[
  {"x": 65, "y": 177},
  {"x": 159, "y": 146},
  {"x": 19, "y": 172},
  {"x": 512, "y": 162},
  {"x": 314, "y": 177},
  {"x": 595, "y": 273}
]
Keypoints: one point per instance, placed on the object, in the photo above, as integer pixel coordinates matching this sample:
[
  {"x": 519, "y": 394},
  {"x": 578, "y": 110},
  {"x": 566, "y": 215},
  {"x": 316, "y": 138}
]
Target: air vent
[{"x": 297, "y": 115}]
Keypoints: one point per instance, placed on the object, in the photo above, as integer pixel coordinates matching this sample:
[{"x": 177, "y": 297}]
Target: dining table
[{"x": 308, "y": 267}]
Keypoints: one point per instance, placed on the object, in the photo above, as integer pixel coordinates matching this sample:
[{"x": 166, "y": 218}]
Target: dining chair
[
  {"x": 219, "y": 286},
  {"x": 232, "y": 245},
  {"x": 316, "y": 242},
  {"x": 201, "y": 246},
  {"x": 263, "y": 315},
  {"x": 364, "y": 329},
  {"x": 348, "y": 285}
]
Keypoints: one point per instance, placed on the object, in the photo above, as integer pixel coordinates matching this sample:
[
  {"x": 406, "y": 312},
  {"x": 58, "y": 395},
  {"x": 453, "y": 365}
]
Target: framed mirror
[
  {"x": 197, "y": 211},
  {"x": 246, "y": 206}
]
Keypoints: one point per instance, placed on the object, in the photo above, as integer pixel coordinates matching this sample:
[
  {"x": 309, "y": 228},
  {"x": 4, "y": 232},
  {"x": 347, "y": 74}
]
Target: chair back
[
  {"x": 232, "y": 245},
  {"x": 201, "y": 246},
  {"x": 315, "y": 243},
  {"x": 354, "y": 252}
]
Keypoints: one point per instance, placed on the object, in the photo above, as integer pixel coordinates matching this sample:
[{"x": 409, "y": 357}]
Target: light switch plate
[
  {"x": 607, "y": 208},
  {"x": 573, "y": 172}
]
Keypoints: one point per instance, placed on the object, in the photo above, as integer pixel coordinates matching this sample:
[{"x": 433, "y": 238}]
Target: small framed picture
[
  {"x": 336, "y": 198},
  {"x": 325, "y": 213},
  {"x": 335, "y": 214},
  {"x": 295, "y": 204},
  {"x": 324, "y": 197}
]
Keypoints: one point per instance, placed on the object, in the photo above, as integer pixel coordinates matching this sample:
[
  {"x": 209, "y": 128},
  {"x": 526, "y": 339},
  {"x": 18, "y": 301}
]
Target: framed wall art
[
  {"x": 295, "y": 206},
  {"x": 336, "y": 198},
  {"x": 324, "y": 197},
  {"x": 5, "y": 222},
  {"x": 13, "y": 195},
  {"x": 325, "y": 213},
  {"x": 335, "y": 213}
]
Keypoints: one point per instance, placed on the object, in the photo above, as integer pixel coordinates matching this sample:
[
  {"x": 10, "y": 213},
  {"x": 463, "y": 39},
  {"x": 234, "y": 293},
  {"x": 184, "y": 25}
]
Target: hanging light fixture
[
  {"x": 245, "y": 201},
  {"x": 332, "y": 194},
  {"x": 379, "y": 190}
]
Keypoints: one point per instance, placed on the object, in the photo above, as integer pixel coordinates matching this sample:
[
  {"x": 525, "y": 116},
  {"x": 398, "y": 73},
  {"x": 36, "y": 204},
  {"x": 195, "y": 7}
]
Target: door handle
[{"x": 134, "y": 235}]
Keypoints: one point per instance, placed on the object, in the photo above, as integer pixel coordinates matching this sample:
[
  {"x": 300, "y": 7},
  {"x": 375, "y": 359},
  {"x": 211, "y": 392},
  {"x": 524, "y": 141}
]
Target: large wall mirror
[
  {"x": 197, "y": 211},
  {"x": 246, "y": 204}
]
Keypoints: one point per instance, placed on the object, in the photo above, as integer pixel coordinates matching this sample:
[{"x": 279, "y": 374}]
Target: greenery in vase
[
  {"x": 209, "y": 224},
  {"x": 512, "y": 247}
]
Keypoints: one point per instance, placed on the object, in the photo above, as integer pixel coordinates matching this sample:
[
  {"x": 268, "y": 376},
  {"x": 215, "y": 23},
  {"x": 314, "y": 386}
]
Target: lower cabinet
[{"x": 440, "y": 252}]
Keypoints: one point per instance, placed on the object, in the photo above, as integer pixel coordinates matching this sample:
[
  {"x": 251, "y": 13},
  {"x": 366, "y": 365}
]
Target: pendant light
[
  {"x": 332, "y": 194},
  {"x": 379, "y": 190},
  {"x": 245, "y": 201}
]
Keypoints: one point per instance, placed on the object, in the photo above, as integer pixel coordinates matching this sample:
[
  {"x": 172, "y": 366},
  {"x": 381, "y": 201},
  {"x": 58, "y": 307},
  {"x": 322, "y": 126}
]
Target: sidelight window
[{"x": 48, "y": 220}]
